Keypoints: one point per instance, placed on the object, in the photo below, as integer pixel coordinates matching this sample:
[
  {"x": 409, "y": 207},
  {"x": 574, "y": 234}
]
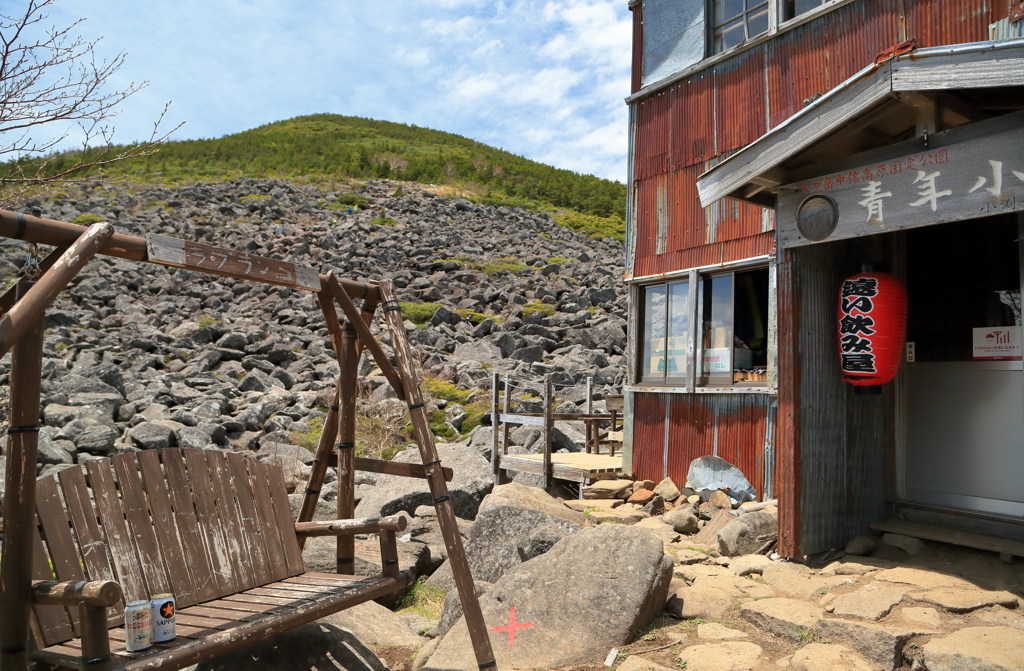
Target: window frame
[
  {"x": 694, "y": 279},
  {"x": 712, "y": 21}
]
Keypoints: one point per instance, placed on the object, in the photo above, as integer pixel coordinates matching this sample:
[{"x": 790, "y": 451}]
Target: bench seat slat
[
  {"x": 122, "y": 549},
  {"x": 205, "y": 581},
  {"x": 225, "y": 637},
  {"x": 91, "y": 544},
  {"x": 226, "y": 566},
  {"x": 57, "y": 537},
  {"x": 52, "y": 621},
  {"x": 141, "y": 526},
  {"x": 266, "y": 518},
  {"x": 285, "y": 523},
  {"x": 155, "y": 486},
  {"x": 238, "y": 477},
  {"x": 231, "y": 524}
]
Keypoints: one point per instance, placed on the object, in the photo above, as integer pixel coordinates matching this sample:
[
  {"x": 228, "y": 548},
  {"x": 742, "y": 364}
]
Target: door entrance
[{"x": 964, "y": 392}]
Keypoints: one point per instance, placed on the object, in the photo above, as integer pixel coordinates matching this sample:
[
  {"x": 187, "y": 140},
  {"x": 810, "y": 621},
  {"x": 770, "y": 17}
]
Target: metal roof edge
[{"x": 865, "y": 79}]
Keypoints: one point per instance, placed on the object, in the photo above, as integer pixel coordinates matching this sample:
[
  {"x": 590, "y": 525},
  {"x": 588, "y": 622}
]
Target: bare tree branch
[{"x": 51, "y": 78}]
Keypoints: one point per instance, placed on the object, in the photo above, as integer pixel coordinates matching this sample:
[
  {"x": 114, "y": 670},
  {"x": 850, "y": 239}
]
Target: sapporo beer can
[
  {"x": 138, "y": 626},
  {"x": 162, "y": 606}
]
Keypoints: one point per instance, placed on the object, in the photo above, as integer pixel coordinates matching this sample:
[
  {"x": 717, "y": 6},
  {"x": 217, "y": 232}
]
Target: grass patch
[
  {"x": 310, "y": 439},
  {"x": 475, "y": 318},
  {"x": 419, "y": 313},
  {"x": 381, "y": 436},
  {"x": 537, "y": 306},
  {"x": 504, "y": 264},
  {"x": 206, "y": 321},
  {"x": 807, "y": 635},
  {"x": 558, "y": 259},
  {"x": 423, "y": 599},
  {"x": 255, "y": 197},
  {"x": 594, "y": 225},
  {"x": 384, "y": 222},
  {"x": 445, "y": 390},
  {"x": 475, "y": 412},
  {"x": 438, "y": 424},
  {"x": 88, "y": 219}
]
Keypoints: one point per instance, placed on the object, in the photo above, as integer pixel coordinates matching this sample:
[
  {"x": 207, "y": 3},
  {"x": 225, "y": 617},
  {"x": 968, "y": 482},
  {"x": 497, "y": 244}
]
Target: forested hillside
[{"x": 330, "y": 146}]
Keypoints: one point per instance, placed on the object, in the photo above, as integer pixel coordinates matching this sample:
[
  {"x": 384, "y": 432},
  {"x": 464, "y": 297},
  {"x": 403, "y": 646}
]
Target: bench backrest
[{"x": 200, "y": 524}]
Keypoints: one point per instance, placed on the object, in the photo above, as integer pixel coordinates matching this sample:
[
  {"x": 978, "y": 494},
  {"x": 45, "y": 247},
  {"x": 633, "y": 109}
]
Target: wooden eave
[{"x": 882, "y": 104}]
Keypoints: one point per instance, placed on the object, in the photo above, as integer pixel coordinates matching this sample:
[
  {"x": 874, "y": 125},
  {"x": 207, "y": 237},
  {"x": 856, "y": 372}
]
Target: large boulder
[
  {"x": 747, "y": 533},
  {"x": 495, "y": 538},
  {"x": 472, "y": 481},
  {"x": 530, "y": 498},
  {"x": 312, "y": 646},
  {"x": 375, "y": 625},
  {"x": 591, "y": 592}
]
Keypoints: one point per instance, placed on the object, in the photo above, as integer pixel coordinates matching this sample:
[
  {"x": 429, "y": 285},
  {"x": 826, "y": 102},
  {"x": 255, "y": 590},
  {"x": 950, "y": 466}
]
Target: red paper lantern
[{"x": 872, "y": 327}]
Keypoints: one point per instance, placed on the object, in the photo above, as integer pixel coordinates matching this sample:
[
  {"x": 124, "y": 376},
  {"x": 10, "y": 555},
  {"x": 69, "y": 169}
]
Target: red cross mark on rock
[{"x": 512, "y": 626}]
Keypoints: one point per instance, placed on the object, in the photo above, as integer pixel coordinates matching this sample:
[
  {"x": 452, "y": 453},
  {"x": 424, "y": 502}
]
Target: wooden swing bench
[{"x": 210, "y": 527}]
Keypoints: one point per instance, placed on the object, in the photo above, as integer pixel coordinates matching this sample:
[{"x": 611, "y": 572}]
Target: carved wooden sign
[
  {"x": 970, "y": 179},
  {"x": 180, "y": 253}
]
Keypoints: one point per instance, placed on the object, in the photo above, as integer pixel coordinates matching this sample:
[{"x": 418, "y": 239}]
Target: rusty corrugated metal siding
[
  {"x": 934, "y": 23},
  {"x": 649, "y": 436},
  {"x": 693, "y": 111},
  {"x": 638, "y": 47},
  {"x": 740, "y": 99},
  {"x": 731, "y": 426},
  {"x": 706, "y": 255}
]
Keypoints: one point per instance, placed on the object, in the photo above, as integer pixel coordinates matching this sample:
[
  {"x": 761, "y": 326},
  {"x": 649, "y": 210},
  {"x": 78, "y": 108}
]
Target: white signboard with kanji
[
  {"x": 976, "y": 178},
  {"x": 998, "y": 342}
]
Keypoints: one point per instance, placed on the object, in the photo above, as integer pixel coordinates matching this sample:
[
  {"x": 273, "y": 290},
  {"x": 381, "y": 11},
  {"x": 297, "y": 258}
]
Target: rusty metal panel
[
  {"x": 740, "y": 100},
  {"x": 654, "y": 129},
  {"x": 638, "y": 47},
  {"x": 693, "y": 120},
  {"x": 731, "y": 426},
  {"x": 649, "y": 436},
  {"x": 811, "y": 59},
  {"x": 935, "y": 23},
  {"x": 646, "y": 224},
  {"x": 687, "y": 217},
  {"x": 706, "y": 255}
]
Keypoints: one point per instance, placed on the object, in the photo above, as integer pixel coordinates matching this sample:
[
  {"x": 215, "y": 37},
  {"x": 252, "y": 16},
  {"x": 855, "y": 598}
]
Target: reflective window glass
[
  {"x": 653, "y": 361},
  {"x": 678, "y": 330}
]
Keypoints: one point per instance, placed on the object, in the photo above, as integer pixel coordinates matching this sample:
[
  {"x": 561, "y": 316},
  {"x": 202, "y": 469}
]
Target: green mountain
[{"x": 323, "y": 147}]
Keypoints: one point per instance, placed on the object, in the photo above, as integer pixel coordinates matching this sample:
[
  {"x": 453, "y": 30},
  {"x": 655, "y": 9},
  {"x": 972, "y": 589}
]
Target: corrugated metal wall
[
  {"x": 731, "y": 426},
  {"x": 842, "y": 433},
  {"x": 683, "y": 129}
]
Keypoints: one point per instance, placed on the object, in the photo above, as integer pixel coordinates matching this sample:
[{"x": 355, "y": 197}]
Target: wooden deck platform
[{"x": 575, "y": 466}]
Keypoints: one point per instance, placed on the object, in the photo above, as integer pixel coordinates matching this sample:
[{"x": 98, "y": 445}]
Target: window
[
  {"x": 731, "y": 314},
  {"x": 736, "y": 21},
  {"x": 795, "y": 8}
]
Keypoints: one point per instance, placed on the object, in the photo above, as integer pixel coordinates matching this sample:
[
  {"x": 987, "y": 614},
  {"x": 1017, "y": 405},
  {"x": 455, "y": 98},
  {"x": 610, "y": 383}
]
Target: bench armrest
[
  {"x": 96, "y": 593},
  {"x": 368, "y": 525}
]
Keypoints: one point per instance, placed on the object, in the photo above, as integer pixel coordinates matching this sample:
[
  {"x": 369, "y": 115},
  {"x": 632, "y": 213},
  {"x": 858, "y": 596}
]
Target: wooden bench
[{"x": 213, "y": 528}]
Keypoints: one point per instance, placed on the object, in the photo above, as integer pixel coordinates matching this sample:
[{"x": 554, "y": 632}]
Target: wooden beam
[
  {"x": 346, "y": 446},
  {"x": 964, "y": 538},
  {"x": 369, "y": 525}
]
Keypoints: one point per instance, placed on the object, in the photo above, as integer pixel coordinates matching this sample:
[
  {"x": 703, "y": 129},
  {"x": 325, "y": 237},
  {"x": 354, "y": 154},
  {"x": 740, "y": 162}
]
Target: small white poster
[
  {"x": 718, "y": 360},
  {"x": 997, "y": 342}
]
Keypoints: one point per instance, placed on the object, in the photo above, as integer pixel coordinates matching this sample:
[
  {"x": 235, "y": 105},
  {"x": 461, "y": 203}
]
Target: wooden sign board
[
  {"x": 180, "y": 253},
  {"x": 970, "y": 179}
]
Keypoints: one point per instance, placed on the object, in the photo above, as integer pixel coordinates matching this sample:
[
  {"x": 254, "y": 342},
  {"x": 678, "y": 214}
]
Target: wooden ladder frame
[{"x": 22, "y": 309}]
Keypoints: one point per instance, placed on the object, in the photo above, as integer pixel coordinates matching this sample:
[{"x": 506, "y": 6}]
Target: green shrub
[
  {"x": 537, "y": 306},
  {"x": 593, "y": 225},
  {"x": 88, "y": 219},
  {"x": 384, "y": 222},
  {"x": 255, "y": 196},
  {"x": 475, "y": 318},
  {"x": 419, "y": 313},
  {"x": 438, "y": 426},
  {"x": 475, "y": 412},
  {"x": 350, "y": 200},
  {"x": 310, "y": 439},
  {"x": 422, "y": 599},
  {"x": 558, "y": 259},
  {"x": 444, "y": 390},
  {"x": 504, "y": 264}
]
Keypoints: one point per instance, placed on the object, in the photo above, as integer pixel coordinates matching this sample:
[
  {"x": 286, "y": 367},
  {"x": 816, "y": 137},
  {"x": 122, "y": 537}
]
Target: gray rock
[
  {"x": 591, "y": 592},
  {"x": 256, "y": 380},
  {"x": 56, "y": 414},
  {"x": 472, "y": 481},
  {"x": 51, "y": 453},
  {"x": 375, "y": 625},
  {"x": 451, "y": 611},
  {"x": 149, "y": 436},
  {"x": 476, "y": 350},
  {"x": 861, "y": 545},
  {"x": 531, "y": 354},
  {"x": 494, "y": 538},
  {"x": 667, "y": 490},
  {"x": 530, "y": 498},
  {"x": 97, "y": 440},
  {"x": 311, "y": 646},
  {"x": 682, "y": 520},
  {"x": 201, "y": 435},
  {"x": 747, "y": 533},
  {"x": 297, "y": 452}
]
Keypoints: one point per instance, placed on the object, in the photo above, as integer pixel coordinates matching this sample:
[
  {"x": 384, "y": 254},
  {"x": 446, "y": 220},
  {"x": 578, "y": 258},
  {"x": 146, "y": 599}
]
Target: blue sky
[{"x": 543, "y": 79}]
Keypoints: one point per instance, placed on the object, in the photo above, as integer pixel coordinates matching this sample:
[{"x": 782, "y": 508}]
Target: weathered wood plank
[
  {"x": 136, "y": 510},
  {"x": 952, "y": 536},
  {"x": 260, "y": 599},
  {"x": 219, "y": 543},
  {"x": 254, "y": 540},
  {"x": 231, "y": 525},
  {"x": 285, "y": 525},
  {"x": 392, "y": 467},
  {"x": 266, "y": 518},
  {"x": 52, "y": 621},
  {"x": 57, "y": 532},
  {"x": 122, "y": 547},
  {"x": 155, "y": 486},
  {"x": 207, "y": 582},
  {"x": 528, "y": 420},
  {"x": 180, "y": 253}
]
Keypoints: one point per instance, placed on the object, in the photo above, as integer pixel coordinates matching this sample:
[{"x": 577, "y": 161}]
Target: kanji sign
[
  {"x": 947, "y": 183},
  {"x": 872, "y": 322}
]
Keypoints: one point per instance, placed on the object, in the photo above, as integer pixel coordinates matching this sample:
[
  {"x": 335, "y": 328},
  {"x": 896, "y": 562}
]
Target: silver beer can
[
  {"x": 162, "y": 608},
  {"x": 138, "y": 626}
]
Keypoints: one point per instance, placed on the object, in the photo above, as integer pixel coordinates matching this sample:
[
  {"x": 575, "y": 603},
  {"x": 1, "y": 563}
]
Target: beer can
[
  {"x": 138, "y": 626},
  {"x": 162, "y": 607}
]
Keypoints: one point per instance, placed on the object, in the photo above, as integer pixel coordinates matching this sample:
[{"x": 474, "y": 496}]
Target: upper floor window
[
  {"x": 795, "y": 8},
  {"x": 736, "y": 21}
]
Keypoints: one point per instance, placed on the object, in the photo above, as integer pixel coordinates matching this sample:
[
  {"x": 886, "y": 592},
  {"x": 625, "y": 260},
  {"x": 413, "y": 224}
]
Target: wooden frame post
[
  {"x": 549, "y": 428},
  {"x": 478, "y": 632},
  {"x": 19, "y": 500},
  {"x": 349, "y": 364},
  {"x": 495, "y": 417},
  {"x": 593, "y": 428}
]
